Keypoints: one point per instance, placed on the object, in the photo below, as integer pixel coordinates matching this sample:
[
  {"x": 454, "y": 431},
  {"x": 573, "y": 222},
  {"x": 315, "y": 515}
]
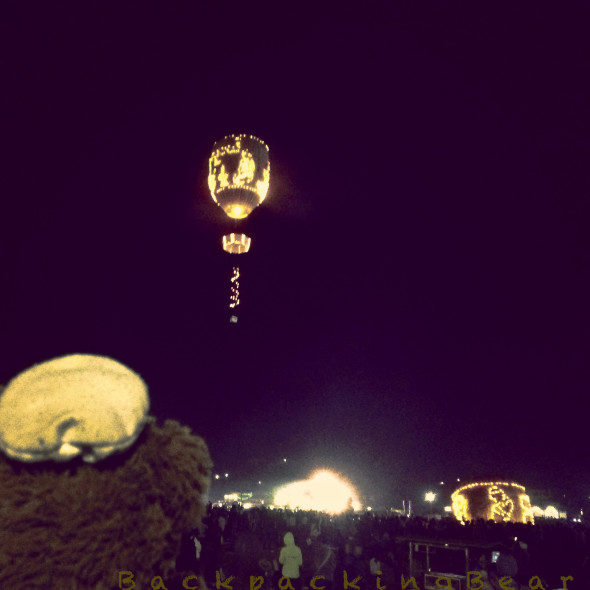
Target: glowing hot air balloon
[
  {"x": 500, "y": 501},
  {"x": 239, "y": 173}
]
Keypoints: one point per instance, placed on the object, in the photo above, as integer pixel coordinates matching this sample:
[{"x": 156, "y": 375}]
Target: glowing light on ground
[
  {"x": 324, "y": 491},
  {"x": 549, "y": 512}
]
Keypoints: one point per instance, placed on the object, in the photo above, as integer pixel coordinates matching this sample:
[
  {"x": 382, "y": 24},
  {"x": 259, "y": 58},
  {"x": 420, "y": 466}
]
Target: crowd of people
[{"x": 302, "y": 544}]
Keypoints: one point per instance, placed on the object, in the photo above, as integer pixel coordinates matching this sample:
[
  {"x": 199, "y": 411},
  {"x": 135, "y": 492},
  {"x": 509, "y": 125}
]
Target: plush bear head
[{"x": 92, "y": 489}]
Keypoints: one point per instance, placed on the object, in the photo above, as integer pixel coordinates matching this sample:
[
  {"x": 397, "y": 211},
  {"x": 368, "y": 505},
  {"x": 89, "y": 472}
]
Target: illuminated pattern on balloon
[
  {"x": 526, "y": 508},
  {"x": 498, "y": 501},
  {"x": 460, "y": 507},
  {"x": 324, "y": 491},
  {"x": 239, "y": 173}
]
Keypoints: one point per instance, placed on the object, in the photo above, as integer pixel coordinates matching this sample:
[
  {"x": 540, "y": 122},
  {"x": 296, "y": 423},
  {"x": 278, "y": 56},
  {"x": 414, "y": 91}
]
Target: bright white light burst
[{"x": 324, "y": 491}]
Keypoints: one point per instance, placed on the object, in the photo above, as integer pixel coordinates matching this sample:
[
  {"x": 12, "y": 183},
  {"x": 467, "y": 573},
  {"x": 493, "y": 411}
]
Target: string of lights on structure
[{"x": 239, "y": 175}]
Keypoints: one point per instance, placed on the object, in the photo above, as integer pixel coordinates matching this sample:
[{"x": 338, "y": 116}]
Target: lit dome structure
[
  {"x": 239, "y": 173},
  {"x": 498, "y": 500}
]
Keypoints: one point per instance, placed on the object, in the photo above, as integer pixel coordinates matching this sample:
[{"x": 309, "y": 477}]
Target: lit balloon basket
[{"x": 239, "y": 174}]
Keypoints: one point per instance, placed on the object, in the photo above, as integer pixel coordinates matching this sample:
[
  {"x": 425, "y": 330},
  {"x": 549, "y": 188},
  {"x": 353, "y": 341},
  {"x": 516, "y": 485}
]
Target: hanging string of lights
[{"x": 234, "y": 298}]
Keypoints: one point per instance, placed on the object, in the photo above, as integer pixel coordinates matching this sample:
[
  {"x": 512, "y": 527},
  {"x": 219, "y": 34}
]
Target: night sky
[{"x": 415, "y": 304}]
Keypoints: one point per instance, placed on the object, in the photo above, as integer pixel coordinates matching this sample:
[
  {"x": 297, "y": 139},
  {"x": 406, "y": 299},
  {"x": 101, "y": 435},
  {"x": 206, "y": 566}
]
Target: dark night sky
[{"x": 415, "y": 303}]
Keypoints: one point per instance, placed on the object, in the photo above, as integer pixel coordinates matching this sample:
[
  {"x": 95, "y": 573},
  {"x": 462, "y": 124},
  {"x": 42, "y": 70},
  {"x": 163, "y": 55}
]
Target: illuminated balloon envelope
[
  {"x": 239, "y": 172},
  {"x": 498, "y": 500}
]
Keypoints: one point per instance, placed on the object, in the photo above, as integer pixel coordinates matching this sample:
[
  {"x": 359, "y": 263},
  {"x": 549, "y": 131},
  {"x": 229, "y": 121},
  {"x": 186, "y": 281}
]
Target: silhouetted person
[
  {"x": 291, "y": 559},
  {"x": 359, "y": 567},
  {"x": 323, "y": 562}
]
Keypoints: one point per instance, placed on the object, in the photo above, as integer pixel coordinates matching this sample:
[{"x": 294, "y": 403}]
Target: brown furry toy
[{"x": 94, "y": 494}]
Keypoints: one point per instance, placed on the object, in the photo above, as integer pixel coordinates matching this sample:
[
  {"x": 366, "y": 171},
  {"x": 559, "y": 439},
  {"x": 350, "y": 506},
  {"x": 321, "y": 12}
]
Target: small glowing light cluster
[
  {"x": 239, "y": 174},
  {"x": 429, "y": 497},
  {"x": 234, "y": 299},
  {"x": 498, "y": 501},
  {"x": 324, "y": 491},
  {"x": 236, "y": 243}
]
